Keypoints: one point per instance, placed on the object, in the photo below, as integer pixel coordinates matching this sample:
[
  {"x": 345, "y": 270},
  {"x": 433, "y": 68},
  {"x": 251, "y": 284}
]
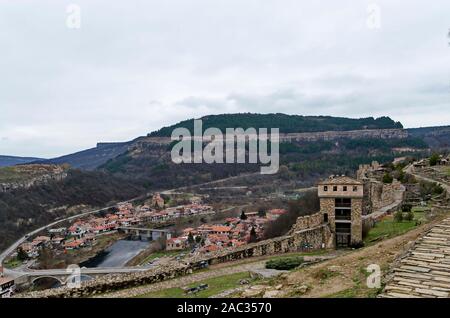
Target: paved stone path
[{"x": 425, "y": 271}]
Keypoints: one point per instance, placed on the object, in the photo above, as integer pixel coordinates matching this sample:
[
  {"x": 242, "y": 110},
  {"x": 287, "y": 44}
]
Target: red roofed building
[
  {"x": 71, "y": 245},
  {"x": 210, "y": 248},
  {"x": 275, "y": 213},
  {"x": 176, "y": 244},
  {"x": 220, "y": 229}
]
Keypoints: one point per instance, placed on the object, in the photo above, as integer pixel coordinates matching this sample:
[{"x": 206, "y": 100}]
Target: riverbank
[
  {"x": 62, "y": 259},
  {"x": 117, "y": 255}
]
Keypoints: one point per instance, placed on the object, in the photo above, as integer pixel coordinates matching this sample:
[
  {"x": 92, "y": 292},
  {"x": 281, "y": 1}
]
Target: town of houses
[
  {"x": 83, "y": 232},
  {"x": 207, "y": 237}
]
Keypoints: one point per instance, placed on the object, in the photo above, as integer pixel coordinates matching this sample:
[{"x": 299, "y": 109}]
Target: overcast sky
[{"x": 135, "y": 66}]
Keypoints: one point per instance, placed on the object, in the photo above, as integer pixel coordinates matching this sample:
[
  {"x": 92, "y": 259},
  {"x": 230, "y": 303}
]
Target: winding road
[{"x": 410, "y": 169}]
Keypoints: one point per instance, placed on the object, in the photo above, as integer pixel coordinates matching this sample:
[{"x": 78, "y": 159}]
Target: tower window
[
  {"x": 325, "y": 217},
  {"x": 345, "y": 188},
  {"x": 325, "y": 188},
  {"x": 355, "y": 188},
  {"x": 334, "y": 188}
]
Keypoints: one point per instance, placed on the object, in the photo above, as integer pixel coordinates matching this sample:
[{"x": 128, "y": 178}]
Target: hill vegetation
[{"x": 286, "y": 123}]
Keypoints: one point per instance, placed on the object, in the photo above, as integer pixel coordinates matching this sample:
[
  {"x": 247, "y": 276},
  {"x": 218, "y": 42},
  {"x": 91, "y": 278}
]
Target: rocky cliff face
[
  {"x": 314, "y": 136},
  {"x": 27, "y": 176}
]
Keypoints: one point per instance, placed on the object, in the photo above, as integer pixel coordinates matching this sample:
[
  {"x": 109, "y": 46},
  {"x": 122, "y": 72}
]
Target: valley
[{"x": 136, "y": 190}]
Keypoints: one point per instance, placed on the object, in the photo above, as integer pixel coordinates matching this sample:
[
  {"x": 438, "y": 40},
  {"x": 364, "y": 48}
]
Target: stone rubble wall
[
  {"x": 382, "y": 194},
  {"x": 307, "y": 222},
  {"x": 306, "y": 240}
]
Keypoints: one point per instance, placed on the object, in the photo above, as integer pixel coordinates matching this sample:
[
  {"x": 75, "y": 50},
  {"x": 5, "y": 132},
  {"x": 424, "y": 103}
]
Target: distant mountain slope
[
  {"x": 7, "y": 161},
  {"x": 350, "y": 143},
  {"x": 436, "y": 137},
  {"x": 286, "y": 123},
  {"x": 91, "y": 158}
]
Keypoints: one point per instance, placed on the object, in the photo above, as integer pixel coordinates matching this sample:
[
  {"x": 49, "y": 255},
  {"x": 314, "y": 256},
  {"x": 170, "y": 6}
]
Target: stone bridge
[
  {"x": 63, "y": 276},
  {"x": 145, "y": 233}
]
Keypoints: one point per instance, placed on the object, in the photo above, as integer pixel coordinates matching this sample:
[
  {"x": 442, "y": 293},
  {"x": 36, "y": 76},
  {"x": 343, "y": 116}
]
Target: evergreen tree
[
  {"x": 191, "y": 239},
  {"x": 243, "y": 215},
  {"x": 262, "y": 212},
  {"x": 21, "y": 254},
  {"x": 387, "y": 178},
  {"x": 253, "y": 236},
  {"x": 434, "y": 159}
]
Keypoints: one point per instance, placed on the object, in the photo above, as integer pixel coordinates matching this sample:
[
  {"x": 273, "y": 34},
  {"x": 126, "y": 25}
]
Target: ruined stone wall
[
  {"x": 305, "y": 240},
  {"x": 307, "y": 222},
  {"x": 382, "y": 194}
]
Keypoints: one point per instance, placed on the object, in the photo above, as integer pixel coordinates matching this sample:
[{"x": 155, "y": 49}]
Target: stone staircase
[{"x": 424, "y": 272}]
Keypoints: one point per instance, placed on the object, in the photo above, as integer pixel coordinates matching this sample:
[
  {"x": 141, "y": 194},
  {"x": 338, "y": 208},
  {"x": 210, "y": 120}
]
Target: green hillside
[{"x": 286, "y": 123}]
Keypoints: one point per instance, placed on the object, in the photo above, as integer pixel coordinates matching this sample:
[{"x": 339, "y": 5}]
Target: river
[{"x": 117, "y": 255}]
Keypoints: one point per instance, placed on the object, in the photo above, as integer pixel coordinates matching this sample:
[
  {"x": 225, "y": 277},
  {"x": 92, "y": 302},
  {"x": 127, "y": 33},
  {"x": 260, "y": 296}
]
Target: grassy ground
[
  {"x": 359, "y": 289},
  {"x": 388, "y": 227},
  {"x": 216, "y": 286},
  {"x": 12, "y": 263}
]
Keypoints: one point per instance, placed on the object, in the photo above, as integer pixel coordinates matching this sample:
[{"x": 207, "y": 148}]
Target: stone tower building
[{"x": 341, "y": 204}]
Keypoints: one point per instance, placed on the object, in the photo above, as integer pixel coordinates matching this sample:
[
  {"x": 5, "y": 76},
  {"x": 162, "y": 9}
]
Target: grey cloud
[{"x": 138, "y": 65}]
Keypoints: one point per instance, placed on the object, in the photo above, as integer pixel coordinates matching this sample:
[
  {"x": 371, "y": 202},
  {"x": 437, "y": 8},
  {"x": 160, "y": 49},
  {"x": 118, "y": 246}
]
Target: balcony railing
[
  {"x": 343, "y": 217},
  {"x": 343, "y": 205}
]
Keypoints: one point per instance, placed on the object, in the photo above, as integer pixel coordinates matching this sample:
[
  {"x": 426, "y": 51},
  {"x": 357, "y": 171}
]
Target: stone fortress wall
[
  {"x": 307, "y": 222},
  {"x": 376, "y": 193}
]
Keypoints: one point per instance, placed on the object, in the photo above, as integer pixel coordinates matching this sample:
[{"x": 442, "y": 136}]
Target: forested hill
[{"x": 286, "y": 123}]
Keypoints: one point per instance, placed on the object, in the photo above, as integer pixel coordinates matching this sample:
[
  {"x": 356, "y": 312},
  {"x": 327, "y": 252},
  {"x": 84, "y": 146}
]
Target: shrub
[
  {"x": 387, "y": 178},
  {"x": 437, "y": 189},
  {"x": 406, "y": 207},
  {"x": 409, "y": 216},
  {"x": 285, "y": 263},
  {"x": 434, "y": 159},
  {"x": 398, "y": 216}
]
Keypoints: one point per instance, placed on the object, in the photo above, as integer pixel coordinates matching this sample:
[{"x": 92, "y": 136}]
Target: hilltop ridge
[{"x": 286, "y": 123}]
